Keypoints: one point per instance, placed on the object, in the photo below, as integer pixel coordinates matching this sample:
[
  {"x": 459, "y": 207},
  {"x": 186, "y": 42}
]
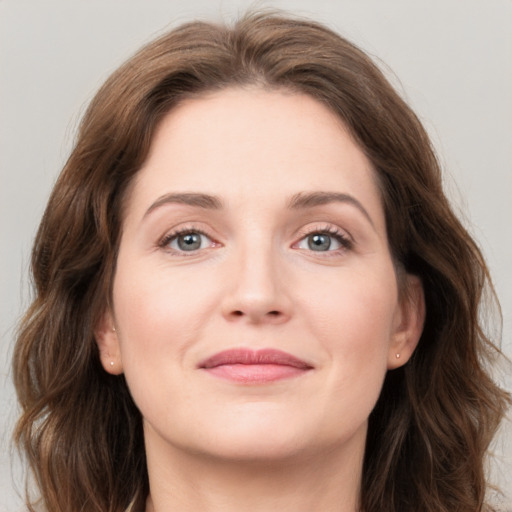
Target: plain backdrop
[{"x": 451, "y": 59}]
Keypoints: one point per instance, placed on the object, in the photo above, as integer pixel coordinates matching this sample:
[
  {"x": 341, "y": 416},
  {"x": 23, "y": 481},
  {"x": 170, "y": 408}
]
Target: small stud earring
[
  {"x": 113, "y": 329},
  {"x": 398, "y": 356},
  {"x": 111, "y": 363}
]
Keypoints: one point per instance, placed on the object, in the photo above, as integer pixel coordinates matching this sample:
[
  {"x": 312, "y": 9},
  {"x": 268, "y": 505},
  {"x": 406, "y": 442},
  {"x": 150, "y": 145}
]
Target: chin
[
  {"x": 256, "y": 447},
  {"x": 265, "y": 435}
]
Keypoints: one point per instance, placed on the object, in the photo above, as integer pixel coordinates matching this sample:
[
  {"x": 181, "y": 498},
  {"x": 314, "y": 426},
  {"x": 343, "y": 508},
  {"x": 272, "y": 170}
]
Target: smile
[{"x": 254, "y": 367}]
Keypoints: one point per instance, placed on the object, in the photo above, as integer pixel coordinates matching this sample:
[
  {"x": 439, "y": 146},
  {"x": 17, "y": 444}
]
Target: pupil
[
  {"x": 319, "y": 242},
  {"x": 189, "y": 242}
]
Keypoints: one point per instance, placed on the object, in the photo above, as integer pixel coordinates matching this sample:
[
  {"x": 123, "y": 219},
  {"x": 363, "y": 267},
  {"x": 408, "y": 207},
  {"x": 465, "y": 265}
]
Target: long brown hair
[{"x": 80, "y": 429}]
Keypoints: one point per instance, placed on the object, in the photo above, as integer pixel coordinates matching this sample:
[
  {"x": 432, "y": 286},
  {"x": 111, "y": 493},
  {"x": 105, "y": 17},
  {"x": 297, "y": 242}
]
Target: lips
[{"x": 249, "y": 366}]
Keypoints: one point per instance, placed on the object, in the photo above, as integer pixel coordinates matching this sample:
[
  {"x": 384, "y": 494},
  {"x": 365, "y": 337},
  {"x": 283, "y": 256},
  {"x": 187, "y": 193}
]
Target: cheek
[
  {"x": 160, "y": 312},
  {"x": 353, "y": 316}
]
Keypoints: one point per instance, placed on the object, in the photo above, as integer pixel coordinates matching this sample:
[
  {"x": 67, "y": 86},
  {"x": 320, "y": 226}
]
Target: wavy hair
[{"x": 79, "y": 428}]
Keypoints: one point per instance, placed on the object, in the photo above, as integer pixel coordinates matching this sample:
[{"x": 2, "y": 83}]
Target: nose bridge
[
  {"x": 257, "y": 289},
  {"x": 257, "y": 269}
]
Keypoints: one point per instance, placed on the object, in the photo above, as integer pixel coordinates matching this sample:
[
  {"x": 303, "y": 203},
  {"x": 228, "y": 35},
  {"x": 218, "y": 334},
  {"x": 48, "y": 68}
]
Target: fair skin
[{"x": 256, "y": 223}]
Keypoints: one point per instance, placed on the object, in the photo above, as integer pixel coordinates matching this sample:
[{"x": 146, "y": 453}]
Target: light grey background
[{"x": 454, "y": 63}]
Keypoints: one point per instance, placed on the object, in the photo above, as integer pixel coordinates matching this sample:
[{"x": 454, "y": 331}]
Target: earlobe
[
  {"x": 107, "y": 340},
  {"x": 410, "y": 321}
]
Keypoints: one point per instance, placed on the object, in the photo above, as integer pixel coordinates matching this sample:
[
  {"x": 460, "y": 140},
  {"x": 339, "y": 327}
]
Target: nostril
[{"x": 270, "y": 313}]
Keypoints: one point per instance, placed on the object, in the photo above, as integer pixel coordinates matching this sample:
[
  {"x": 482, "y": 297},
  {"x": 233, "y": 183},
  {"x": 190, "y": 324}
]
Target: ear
[
  {"x": 108, "y": 344},
  {"x": 409, "y": 322}
]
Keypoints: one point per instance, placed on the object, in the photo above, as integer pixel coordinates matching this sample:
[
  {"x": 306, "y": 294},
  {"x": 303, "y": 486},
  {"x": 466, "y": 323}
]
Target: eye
[
  {"x": 187, "y": 241},
  {"x": 324, "y": 241}
]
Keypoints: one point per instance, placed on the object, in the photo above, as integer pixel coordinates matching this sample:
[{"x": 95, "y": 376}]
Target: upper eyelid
[{"x": 324, "y": 227}]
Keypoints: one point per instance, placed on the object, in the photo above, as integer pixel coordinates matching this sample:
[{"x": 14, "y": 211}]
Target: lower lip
[{"x": 255, "y": 373}]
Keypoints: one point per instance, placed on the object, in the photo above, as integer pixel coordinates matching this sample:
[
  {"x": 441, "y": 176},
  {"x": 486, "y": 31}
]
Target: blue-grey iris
[
  {"x": 189, "y": 242},
  {"x": 319, "y": 242}
]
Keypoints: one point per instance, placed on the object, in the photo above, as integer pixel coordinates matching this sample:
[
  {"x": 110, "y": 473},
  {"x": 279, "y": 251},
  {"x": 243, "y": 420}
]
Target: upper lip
[{"x": 248, "y": 356}]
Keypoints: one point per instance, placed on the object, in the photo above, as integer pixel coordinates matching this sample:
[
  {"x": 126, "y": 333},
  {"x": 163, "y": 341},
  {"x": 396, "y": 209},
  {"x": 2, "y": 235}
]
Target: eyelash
[
  {"x": 345, "y": 241},
  {"x": 169, "y": 237}
]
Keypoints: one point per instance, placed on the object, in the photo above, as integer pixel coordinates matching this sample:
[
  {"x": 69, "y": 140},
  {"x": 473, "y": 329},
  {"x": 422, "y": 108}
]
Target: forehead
[{"x": 247, "y": 144}]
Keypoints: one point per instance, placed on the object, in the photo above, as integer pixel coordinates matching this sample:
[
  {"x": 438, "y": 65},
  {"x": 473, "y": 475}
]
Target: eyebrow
[
  {"x": 299, "y": 201},
  {"x": 205, "y": 201},
  {"x": 312, "y": 199}
]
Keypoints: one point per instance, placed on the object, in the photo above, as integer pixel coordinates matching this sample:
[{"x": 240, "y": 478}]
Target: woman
[{"x": 252, "y": 294}]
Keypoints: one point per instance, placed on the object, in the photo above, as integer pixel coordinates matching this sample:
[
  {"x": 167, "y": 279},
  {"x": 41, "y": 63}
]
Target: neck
[{"x": 325, "y": 482}]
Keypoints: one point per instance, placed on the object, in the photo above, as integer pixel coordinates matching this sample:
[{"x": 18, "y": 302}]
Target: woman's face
[{"x": 255, "y": 299}]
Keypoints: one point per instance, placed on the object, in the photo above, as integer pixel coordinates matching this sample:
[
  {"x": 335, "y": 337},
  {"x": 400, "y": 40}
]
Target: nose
[{"x": 258, "y": 291}]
